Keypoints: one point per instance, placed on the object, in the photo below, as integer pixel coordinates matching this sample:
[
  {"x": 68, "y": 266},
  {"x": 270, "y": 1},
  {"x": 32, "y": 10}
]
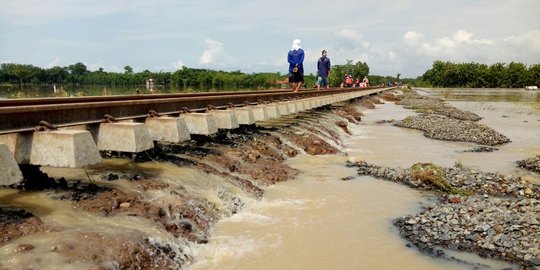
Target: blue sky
[{"x": 400, "y": 36}]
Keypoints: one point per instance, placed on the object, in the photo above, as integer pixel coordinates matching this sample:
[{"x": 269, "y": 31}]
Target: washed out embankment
[
  {"x": 486, "y": 213},
  {"x": 241, "y": 163}
]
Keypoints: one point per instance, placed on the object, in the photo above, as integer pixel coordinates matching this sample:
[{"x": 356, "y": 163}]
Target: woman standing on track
[{"x": 296, "y": 65}]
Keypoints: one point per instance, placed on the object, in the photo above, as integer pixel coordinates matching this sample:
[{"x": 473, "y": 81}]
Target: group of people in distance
[
  {"x": 295, "y": 58},
  {"x": 349, "y": 82}
]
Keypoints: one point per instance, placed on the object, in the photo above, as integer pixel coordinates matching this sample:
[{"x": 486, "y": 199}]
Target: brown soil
[
  {"x": 15, "y": 223},
  {"x": 150, "y": 184},
  {"x": 131, "y": 251},
  {"x": 367, "y": 103},
  {"x": 349, "y": 112},
  {"x": 118, "y": 202},
  {"x": 390, "y": 97},
  {"x": 257, "y": 160},
  {"x": 343, "y": 125},
  {"x": 331, "y": 134},
  {"x": 311, "y": 144},
  {"x": 375, "y": 100}
]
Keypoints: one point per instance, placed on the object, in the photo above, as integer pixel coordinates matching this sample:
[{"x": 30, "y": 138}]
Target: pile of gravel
[
  {"x": 436, "y": 106},
  {"x": 461, "y": 180},
  {"x": 445, "y": 128},
  {"x": 500, "y": 219},
  {"x": 499, "y": 228}
]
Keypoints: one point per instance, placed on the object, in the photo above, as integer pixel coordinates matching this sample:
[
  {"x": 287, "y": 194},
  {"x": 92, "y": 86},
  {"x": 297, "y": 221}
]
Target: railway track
[{"x": 23, "y": 115}]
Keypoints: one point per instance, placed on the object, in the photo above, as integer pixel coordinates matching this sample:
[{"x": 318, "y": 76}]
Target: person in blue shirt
[
  {"x": 323, "y": 71},
  {"x": 296, "y": 65}
]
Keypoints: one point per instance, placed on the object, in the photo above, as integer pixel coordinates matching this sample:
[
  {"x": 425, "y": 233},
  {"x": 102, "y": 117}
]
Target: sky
[{"x": 393, "y": 37}]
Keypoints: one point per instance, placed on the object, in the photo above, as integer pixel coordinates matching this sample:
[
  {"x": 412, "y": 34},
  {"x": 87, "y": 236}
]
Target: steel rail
[
  {"x": 23, "y": 115},
  {"x": 60, "y": 100}
]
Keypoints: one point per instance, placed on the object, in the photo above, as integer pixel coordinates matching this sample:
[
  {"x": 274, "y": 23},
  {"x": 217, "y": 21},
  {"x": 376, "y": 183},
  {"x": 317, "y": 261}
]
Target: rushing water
[
  {"x": 316, "y": 221},
  {"x": 319, "y": 221}
]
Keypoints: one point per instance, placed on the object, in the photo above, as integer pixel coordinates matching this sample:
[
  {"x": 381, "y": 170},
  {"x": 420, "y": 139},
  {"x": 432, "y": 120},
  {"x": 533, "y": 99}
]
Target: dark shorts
[{"x": 296, "y": 77}]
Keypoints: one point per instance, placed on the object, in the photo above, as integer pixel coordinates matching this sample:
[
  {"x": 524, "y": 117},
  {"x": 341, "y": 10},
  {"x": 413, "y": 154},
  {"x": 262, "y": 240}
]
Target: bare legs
[{"x": 296, "y": 86}]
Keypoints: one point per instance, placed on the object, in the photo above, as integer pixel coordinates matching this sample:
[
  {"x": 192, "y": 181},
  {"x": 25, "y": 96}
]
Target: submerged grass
[{"x": 433, "y": 174}]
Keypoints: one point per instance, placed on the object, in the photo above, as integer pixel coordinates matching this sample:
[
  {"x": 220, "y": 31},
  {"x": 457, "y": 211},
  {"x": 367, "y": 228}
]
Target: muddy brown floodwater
[
  {"x": 318, "y": 221},
  {"x": 229, "y": 203}
]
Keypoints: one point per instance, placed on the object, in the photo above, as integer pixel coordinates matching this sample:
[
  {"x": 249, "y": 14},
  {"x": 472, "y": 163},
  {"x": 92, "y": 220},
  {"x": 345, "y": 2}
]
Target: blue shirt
[
  {"x": 323, "y": 66},
  {"x": 296, "y": 59}
]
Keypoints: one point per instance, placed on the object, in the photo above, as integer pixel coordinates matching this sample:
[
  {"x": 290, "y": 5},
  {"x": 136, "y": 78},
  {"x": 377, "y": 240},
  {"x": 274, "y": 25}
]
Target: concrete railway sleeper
[{"x": 72, "y": 134}]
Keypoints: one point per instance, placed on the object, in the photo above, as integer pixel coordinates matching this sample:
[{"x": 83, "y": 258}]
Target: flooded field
[{"x": 327, "y": 217}]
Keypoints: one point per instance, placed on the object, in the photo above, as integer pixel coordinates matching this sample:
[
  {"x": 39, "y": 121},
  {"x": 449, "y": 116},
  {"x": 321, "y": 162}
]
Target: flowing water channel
[
  {"x": 315, "y": 221},
  {"x": 319, "y": 221}
]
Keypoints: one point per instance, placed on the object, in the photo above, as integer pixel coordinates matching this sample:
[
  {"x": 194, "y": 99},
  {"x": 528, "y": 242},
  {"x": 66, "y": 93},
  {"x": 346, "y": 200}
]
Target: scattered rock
[
  {"x": 530, "y": 164},
  {"x": 24, "y": 248}
]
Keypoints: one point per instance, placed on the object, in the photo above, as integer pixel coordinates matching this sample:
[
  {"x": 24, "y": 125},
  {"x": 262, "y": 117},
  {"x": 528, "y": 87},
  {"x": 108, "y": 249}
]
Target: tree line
[
  {"x": 184, "y": 78},
  {"x": 441, "y": 74},
  {"x": 475, "y": 75}
]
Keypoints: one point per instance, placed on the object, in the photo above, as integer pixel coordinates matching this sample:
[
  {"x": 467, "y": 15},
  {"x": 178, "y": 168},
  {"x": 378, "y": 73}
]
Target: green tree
[
  {"x": 338, "y": 72},
  {"x": 56, "y": 75},
  {"x": 533, "y": 75},
  {"x": 516, "y": 75},
  {"x": 77, "y": 72},
  {"x": 128, "y": 70},
  {"x": 19, "y": 72}
]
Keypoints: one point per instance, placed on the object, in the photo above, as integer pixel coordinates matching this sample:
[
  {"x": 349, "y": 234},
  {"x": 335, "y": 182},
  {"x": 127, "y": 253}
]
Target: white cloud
[
  {"x": 462, "y": 36},
  {"x": 529, "y": 40},
  {"x": 54, "y": 63},
  {"x": 177, "y": 65},
  {"x": 146, "y": 32},
  {"x": 464, "y": 46},
  {"x": 352, "y": 35},
  {"x": 413, "y": 38},
  {"x": 459, "y": 43},
  {"x": 214, "y": 54},
  {"x": 444, "y": 43}
]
